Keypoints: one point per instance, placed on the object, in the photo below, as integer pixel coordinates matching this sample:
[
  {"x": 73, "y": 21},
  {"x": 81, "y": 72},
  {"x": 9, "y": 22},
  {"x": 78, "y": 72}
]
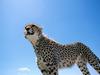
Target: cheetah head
[{"x": 32, "y": 32}]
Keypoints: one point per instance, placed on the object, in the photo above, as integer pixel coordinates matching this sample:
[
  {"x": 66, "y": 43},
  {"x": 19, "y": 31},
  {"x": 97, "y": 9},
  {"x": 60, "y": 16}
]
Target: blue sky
[{"x": 65, "y": 21}]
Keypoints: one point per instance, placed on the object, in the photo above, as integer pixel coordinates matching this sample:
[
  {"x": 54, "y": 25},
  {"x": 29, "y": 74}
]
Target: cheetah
[{"x": 52, "y": 56}]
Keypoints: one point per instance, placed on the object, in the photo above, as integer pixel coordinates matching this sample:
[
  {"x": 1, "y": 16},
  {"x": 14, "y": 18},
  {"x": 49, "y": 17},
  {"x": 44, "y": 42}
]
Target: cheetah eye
[{"x": 30, "y": 31}]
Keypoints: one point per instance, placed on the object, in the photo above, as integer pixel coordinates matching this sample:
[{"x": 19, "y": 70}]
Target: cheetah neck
[{"x": 43, "y": 41}]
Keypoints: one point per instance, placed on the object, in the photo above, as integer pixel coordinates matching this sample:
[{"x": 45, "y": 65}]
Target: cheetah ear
[
  {"x": 36, "y": 25},
  {"x": 33, "y": 25},
  {"x": 41, "y": 28}
]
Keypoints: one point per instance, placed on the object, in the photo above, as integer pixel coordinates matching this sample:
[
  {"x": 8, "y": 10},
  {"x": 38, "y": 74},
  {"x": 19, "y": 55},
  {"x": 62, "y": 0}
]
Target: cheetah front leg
[
  {"x": 82, "y": 66},
  {"x": 52, "y": 69},
  {"x": 49, "y": 71},
  {"x": 42, "y": 66},
  {"x": 47, "y": 68}
]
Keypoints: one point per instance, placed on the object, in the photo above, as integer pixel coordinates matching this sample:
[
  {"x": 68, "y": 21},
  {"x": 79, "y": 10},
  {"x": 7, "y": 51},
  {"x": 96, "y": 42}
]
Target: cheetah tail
[{"x": 94, "y": 61}]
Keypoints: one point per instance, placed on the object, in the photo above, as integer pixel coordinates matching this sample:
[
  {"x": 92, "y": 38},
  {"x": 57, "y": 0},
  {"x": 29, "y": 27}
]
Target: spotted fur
[{"x": 52, "y": 56}]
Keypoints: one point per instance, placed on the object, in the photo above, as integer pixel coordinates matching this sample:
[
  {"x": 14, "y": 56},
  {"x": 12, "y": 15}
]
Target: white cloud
[{"x": 24, "y": 69}]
